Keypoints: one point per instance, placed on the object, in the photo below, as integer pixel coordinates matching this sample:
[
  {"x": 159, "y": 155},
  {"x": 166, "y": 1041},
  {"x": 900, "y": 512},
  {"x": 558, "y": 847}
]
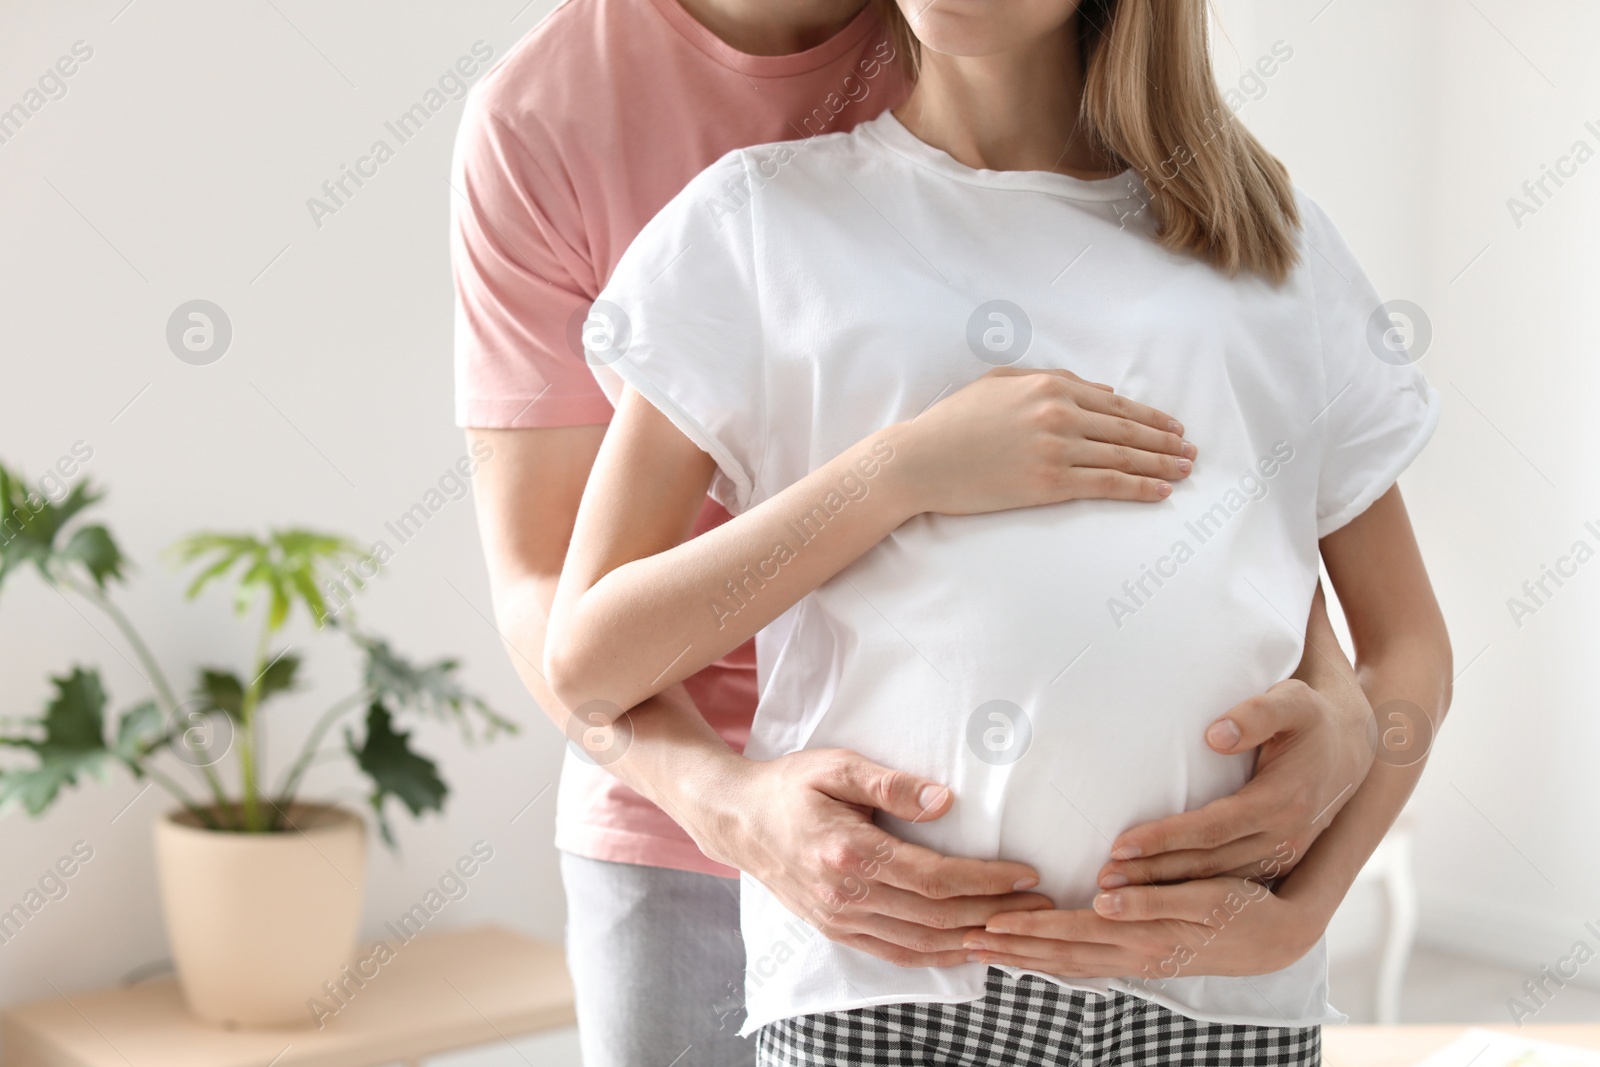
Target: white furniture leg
[{"x": 1402, "y": 891}]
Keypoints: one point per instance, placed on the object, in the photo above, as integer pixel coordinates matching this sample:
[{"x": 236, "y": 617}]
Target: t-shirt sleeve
[
  {"x": 522, "y": 283},
  {"x": 680, "y": 322},
  {"x": 1379, "y": 409}
]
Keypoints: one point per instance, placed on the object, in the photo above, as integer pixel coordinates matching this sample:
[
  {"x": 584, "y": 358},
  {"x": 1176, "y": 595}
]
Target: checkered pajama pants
[{"x": 1029, "y": 1022}]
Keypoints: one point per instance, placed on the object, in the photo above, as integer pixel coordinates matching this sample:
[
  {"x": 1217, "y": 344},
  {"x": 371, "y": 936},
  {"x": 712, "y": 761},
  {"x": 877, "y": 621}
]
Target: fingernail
[
  {"x": 1185, "y": 466},
  {"x": 1127, "y": 852},
  {"x": 1024, "y": 884},
  {"x": 975, "y": 945},
  {"x": 1189, "y": 449},
  {"x": 1175, "y": 426},
  {"x": 1108, "y": 903},
  {"x": 1163, "y": 489},
  {"x": 974, "y": 957},
  {"x": 1224, "y": 733},
  {"x": 931, "y": 796},
  {"x": 1113, "y": 881}
]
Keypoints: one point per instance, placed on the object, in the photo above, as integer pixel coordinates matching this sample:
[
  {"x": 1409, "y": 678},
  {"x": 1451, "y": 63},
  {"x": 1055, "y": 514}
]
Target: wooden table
[
  {"x": 441, "y": 991},
  {"x": 1402, "y": 1046}
]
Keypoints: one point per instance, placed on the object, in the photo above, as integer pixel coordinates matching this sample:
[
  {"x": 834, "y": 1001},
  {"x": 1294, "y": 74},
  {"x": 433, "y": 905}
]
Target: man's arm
[{"x": 801, "y": 824}]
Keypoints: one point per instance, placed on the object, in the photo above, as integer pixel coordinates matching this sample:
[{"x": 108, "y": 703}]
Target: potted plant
[{"x": 261, "y": 889}]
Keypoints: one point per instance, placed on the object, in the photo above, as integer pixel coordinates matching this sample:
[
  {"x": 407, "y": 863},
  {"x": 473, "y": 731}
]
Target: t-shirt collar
[
  {"x": 834, "y": 48},
  {"x": 890, "y": 132}
]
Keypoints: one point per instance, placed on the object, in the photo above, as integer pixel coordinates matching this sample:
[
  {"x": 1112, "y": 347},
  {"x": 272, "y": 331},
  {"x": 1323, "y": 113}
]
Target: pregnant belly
[{"x": 1057, "y": 721}]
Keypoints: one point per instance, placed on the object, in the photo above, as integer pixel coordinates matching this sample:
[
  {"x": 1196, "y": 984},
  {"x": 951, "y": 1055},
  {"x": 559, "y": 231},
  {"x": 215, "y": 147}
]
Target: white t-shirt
[{"x": 1056, "y": 666}]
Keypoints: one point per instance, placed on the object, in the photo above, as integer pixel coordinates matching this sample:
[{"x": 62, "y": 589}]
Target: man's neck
[{"x": 773, "y": 27}]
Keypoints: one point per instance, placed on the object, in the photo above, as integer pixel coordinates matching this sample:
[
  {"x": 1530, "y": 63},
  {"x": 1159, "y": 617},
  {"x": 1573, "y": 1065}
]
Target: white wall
[
  {"x": 1413, "y": 123},
  {"x": 178, "y": 165},
  {"x": 1514, "y": 483}
]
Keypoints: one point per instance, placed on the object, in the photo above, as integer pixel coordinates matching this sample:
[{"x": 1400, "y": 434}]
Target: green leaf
[
  {"x": 194, "y": 546},
  {"x": 94, "y": 547},
  {"x": 35, "y": 789},
  {"x": 309, "y": 558},
  {"x": 8, "y": 558},
  {"x": 279, "y": 610},
  {"x": 73, "y": 743},
  {"x": 140, "y": 731},
  {"x": 41, "y": 520},
  {"x": 81, "y": 496},
  {"x": 32, "y": 525},
  {"x": 386, "y": 757},
  {"x": 223, "y": 562},
  {"x": 222, "y": 691},
  {"x": 308, "y": 544},
  {"x": 279, "y": 676},
  {"x": 432, "y": 689},
  {"x": 287, "y": 567},
  {"x": 74, "y": 719},
  {"x": 306, "y": 586},
  {"x": 257, "y": 575}
]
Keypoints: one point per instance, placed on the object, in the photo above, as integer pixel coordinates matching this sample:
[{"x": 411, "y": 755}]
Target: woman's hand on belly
[
  {"x": 1221, "y": 926},
  {"x": 1315, "y": 752},
  {"x": 1019, "y": 438}
]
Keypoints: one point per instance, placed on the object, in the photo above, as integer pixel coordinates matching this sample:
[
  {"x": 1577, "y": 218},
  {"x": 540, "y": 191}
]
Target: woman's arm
[
  {"x": 639, "y": 608},
  {"x": 1403, "y": 663}
]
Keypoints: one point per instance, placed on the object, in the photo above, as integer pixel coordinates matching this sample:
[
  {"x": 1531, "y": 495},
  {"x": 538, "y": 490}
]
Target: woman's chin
[{"x": 972, "y": 29}]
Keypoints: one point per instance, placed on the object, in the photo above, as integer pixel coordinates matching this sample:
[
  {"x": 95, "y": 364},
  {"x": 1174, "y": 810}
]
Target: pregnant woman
[{"x": 1062, "y": 187}]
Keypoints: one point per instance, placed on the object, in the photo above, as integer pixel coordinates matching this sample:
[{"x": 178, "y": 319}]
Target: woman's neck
[
  {"x": 773, "y": 27},
  {"x": 1013, "y": 110}
]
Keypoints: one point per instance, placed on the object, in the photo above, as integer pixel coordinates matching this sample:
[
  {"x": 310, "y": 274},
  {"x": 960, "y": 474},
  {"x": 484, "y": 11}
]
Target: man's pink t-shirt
[{"x": 596, "y": 119}]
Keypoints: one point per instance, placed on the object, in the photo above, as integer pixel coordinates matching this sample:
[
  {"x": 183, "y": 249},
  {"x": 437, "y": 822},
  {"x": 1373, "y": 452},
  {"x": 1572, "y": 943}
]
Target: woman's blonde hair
[{"x": 1151, "y": 102}]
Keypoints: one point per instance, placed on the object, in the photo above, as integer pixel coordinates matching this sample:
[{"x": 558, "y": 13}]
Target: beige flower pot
[{"x": 258, "y": 922}]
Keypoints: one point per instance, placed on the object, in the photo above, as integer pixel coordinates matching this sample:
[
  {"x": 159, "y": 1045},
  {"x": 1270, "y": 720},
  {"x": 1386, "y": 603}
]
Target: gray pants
[{"x": 657, "y": 964}]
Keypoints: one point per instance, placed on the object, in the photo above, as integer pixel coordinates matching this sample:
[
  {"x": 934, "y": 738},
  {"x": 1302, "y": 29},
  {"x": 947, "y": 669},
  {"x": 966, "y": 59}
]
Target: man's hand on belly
[
  {"x": 802, "y": 826},
  {"x": 1314, "y": 753}
]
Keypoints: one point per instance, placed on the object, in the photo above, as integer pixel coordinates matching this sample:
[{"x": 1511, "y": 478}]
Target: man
[{"x": 591, "y": 124}]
